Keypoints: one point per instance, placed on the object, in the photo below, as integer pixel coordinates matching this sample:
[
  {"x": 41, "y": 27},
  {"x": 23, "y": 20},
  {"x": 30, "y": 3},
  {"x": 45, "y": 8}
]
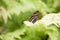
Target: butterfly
[{"x": 34, "y": 17}]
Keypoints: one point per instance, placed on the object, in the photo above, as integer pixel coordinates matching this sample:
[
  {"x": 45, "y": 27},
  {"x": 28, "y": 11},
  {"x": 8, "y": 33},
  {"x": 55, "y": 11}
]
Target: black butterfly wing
[{"x": 34, "y": 17}]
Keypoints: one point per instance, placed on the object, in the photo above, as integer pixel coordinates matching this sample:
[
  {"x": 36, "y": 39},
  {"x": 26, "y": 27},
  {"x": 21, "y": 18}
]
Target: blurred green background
[{"x": 13, "y": 13}]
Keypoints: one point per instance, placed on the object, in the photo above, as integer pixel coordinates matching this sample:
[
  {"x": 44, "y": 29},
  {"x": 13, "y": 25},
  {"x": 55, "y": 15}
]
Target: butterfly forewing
[{"x": 34, "y": 17}]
